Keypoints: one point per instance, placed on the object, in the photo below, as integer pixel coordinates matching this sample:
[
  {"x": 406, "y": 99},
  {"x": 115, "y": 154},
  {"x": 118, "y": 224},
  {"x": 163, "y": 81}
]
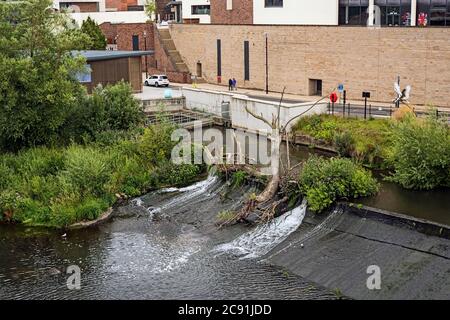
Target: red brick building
[
  {"x": 120, "y": 5},
  {"x": 231, "y": 11},
  {"x": 162, "y": 11},
  {"x": 131, "y": 36}
]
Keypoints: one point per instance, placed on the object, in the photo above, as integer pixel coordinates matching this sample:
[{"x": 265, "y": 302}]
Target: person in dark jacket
[{"x": 230, "y": 84}]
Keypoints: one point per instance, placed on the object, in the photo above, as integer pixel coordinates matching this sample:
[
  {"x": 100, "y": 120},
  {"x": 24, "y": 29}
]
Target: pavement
[
  {"x": 357, "y": 106},
  {"x": 154, "y": 93}
]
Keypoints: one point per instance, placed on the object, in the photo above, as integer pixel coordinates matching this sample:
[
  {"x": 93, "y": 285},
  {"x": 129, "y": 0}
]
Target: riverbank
[{"x": 60, "y": 187}]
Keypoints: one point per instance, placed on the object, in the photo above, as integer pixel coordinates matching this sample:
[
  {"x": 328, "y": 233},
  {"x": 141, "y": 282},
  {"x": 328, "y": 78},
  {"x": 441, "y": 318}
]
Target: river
[{"x": 164, "y": 245}]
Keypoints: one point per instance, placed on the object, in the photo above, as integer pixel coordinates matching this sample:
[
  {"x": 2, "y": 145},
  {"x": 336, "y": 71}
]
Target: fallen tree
[{"x": 266, "y": 203}]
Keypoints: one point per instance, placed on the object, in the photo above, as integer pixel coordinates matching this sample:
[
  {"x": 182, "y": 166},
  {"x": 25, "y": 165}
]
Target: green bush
[
  {"x": 421, "y": 153},
  {"x": 156, "y": 144},
  {"x": 366, "y": 141},
  {"x": 86, "y": 169},
  {"x": 238, "y": 178},
  {"x": 176, "y": 174},
  {"x": 324, "y": 181},
  {"x": 344, "y": 143},
  {"x": 111, "y": 113}
]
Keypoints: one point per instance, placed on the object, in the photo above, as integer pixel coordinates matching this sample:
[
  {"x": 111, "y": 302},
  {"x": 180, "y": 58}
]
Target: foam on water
[
  {"x": 264, "y": 238},
  {"x": 186, "y": 194}
]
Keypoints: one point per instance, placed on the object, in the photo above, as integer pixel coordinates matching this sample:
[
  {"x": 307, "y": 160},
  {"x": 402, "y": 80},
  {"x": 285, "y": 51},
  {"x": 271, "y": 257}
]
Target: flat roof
[{"x": 97, "y": 55}]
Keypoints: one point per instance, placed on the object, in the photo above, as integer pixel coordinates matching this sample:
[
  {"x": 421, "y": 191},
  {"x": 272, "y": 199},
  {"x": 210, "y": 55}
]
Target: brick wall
[
  {"x": 163, "y": 64},
  {"x": 122, "y": 35},
  {"x": 120, "y": 5},
  {"x": 362, "y": 59},
  {"x": 86, "y": 6},
  {"x": 242, "y": 12}
]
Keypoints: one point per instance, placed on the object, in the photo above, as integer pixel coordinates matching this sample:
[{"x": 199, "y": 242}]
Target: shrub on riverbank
[
  {"x": 324, "y": 181},
  {"x": 421, "y": 153},
  {"x": 60, "y": 186},
  {"x": 367, "y": 141}
]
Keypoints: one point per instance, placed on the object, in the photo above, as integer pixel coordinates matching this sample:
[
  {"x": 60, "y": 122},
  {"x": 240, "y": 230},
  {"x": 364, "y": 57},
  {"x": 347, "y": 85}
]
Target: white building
[
  {"x": 80, "y": 10},
  {"x": 304, "y": 12},
  {"x": 191, "y": 11}
]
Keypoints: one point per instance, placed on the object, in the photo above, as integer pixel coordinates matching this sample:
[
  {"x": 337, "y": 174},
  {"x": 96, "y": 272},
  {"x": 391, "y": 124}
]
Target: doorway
[
  {"x": 135, "y": 43},
  {"x": 199, "y": 70},
  {"x": 315, "y": 87}
]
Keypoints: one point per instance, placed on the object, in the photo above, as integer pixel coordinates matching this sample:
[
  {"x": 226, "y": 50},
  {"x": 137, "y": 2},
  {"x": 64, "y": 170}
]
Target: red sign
[{"x": 333, "y": 97}]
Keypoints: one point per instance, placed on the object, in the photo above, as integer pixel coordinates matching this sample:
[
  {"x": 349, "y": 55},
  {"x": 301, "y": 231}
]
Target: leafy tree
[
  {"x": 150, "y": 9},
  {"x": 91, "y": 28},
  {"x": 37, "y": 68}
]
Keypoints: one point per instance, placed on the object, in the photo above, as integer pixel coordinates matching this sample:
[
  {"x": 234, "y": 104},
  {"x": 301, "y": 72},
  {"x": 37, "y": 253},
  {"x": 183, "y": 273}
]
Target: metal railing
[{"x": 369, "y": 111}]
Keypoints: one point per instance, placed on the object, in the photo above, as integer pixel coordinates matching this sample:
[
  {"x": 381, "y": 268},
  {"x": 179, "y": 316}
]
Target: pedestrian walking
[
  {"x": 230, "y": 84},
  {"x": 234, "y": 84}
]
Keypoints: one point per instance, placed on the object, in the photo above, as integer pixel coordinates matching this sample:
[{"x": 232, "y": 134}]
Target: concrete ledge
[
  {"x": 86, "y": 224},
  {"x": 421, "y": 225}
]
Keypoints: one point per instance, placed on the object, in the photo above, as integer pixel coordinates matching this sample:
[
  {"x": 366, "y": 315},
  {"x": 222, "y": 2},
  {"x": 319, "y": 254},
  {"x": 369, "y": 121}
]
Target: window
[
  {"x": 273, "y": 3},
  {"x": 135, "y": 40},
  {"x": 219, "y": 58},
  {"x": 438, "y": 10},
  {"x": 246, "y": 60},
  {"x": 85, "y": 76},
  {"x": 201, "y": 9},
  {"x": 315, "y": 87},
  {"x": 433, "y": 12},
  {"x": 229, "y": 4},
  {"x": 353, "y": 12},
  {"x": 386, "y": 12}
]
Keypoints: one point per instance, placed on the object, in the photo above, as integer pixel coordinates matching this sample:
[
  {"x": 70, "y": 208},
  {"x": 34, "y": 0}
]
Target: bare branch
[
  {"x": 299, "y": 115},
  {"x": 258, "y": 117}
]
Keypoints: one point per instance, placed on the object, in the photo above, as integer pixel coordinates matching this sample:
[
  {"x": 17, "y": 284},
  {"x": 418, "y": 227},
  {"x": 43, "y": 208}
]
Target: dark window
[
  {"x": 315, "y": 87},
  {"x": 219, "y": 58},
  {"x": 433, "y": 12},
  {"x": 386, "y": 12},
  {"x": 203, "y": 9},
  {"x": 135, "y": 8},
  {"x": 353, "y": 12},
  {"x": 447, "y": 23},
  {"x": 246, "y": 60},
  {"x": 135, "y": 42},
  {"x": 273, "y": 3},
  {"x": 438, "y": 11}
]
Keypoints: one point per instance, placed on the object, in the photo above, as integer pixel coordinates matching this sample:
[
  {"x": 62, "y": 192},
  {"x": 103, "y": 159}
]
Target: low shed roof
[{"x": 97, "y": 55}]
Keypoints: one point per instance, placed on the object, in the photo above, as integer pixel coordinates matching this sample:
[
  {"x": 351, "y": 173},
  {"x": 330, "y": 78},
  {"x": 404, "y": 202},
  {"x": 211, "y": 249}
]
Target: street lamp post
[
  {"x": 267, "y": 62},
  {"x": 145, "y": 48}
]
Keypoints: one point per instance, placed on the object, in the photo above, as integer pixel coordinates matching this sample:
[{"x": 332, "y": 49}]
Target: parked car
[{"x": 157, "y": 80}]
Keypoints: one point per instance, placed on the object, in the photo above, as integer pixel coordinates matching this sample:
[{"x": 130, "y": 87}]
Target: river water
[{"x": 164, "y": 245}]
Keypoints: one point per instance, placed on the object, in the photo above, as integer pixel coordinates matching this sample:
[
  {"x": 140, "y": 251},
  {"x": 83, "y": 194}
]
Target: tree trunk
[{"x": 272, "y": 187}]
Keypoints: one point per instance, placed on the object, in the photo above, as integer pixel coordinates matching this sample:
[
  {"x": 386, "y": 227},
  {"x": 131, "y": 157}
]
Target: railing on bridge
[{"x": 369, "y": 111}]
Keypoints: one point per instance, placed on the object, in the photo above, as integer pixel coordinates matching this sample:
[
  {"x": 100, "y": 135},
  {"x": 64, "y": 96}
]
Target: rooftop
[{"x": 97, "y": 55}]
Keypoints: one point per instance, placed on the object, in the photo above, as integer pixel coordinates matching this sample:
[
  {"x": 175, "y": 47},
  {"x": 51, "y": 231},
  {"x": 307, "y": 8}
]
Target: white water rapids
[
  {"x": 252, "y": 244},
  {"x": 262, "y": 239}
]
